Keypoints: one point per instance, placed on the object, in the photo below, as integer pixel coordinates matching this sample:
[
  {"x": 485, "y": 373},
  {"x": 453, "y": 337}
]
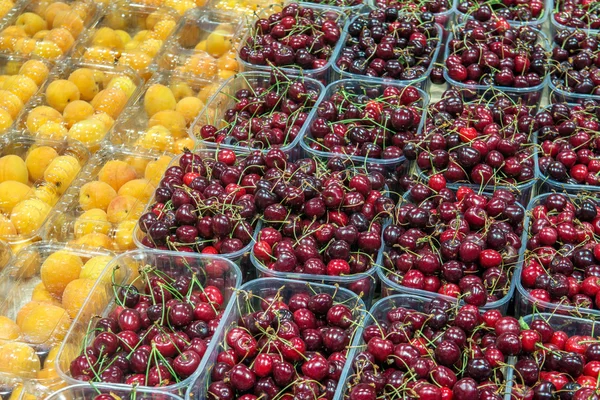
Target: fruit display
[
  {"x": 20, "y": 80},
  {"x": 283, "y": 339},
  {"x": 575, "y": 14},
  {"x": 257, "y": 110},
  {"x": 80, "y": 102},
  {"x": 363, "y": 119},
  {"x": 573, "y": 70},
  {"x": 34, "y": 174},
  {"x": 492, "y": 55},
  {"x": 204, "y": 45},
  {"x": 47, "y": 284},
  {"x": 390, "y": 45},
  {"x": 441, "y": 9},
  {"x": 299, "y": 39},
  {"x": 104, "y": 203},
  {"x": 485, "y": 143},
  {"x": 533, "y": 13},
  {"x": 561, "y": 254},
  {"x": 322, "y": 223},
  {"x": 457, "y": 244},
  {"x": 159, "y": 119},
  {"x": 45, "y": 29},
  {"x": 158, "y": 326},
  {"x": 206, "y": 203},
  {"x": 129, "y": 36},
  {"x": 558, "y": 358},
  {"x": 569, "y": 154},
  {"x": 412, "y": 347}
]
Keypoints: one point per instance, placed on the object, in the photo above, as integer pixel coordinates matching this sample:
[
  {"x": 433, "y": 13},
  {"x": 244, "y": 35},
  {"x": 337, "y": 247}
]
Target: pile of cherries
[
  {"x": 582, "y": 14},
  {"x": 390, "y": 45},
  {"x": 206, "y": 204},
  {"x": 493, "y": 53},
  {"x": 263, "y": 117},
  {"x": 285, "y": 348},
  {"x": 296, "y": 36},
  {"x": 438, "y": 351},
  {"x": 481, "y": 142},
  {"x": 570, "y": 150},
  {"x": 366, "y": 120},
  {"x": 575, "y": 61},
  {"x": 484, "y": 10},
  {"x": 322, "y": 219},
  {"x": 557, "y": 364},
  {"x": 461, "y": 244},
  {"x": 156, "y": 337},
  {"x": 563, "y": 256}
]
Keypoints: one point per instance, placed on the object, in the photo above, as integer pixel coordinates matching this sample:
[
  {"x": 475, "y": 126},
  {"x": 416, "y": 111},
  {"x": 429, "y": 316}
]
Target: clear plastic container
[
  {"x": 556, "y": 95},
  {"x": 204, "y": 45},
  {"x": 537, "y": 23},
  {"x": 348, "y": 10},
  {"x": 358, "y": 86},
  {"x": 421, "y": 82},
  {"x": 322, "y": 74},
  {"x": 223, "y": 100},
  {"x": 36, "y": 319},
  {"x": 81, "y": 215},
  {"x": 249, "y": 298},
  {"x": 104, "y": 92},
  {"x": 549, "y": 184},
  {"x": 555, "y": 26},
  {"x": 377, "y": 314},
  {"x": 35, "y": 183},
  {"x": 525, "y": 304},
  {"x": 241, "y": 257},
  {"x": 444, "y": 19},
  {"x": 22, "y": 78},
  {"x": 169, "y": 264},
  {"x": 363, "y": 284},
  {"x": 65, "y": 23},
  {"x": 110, "y": 41},
  {"x": 391, "y": 288},
  {"x": 531, "y": 96},
  {"x": 88, "y": 392},
  {"x": 147, "y": 125}
]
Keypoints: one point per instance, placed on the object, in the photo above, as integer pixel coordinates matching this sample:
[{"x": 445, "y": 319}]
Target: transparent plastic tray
[
  {"x": 165, "y": 130},
  {"x": 241, "y": 257},
  {"x": 223, "y": 100},
  {"x": 525, "y": 304},
  {"x": 421, "y": 82},
  {"x": 27, "y": 222},
  {"x": 531, "y": 96},
  {"x": 88, "y": 392},
  {"x": 537, "y": 23},
  {"x": 322, "y": 74},
  {"x": 550, "y": 184},
  {"x": 249, "y": 297},
  {"x": 111, "y": 39},
  {"x": 5, "y": 256},
  {"x": 106, "y": 99},
  {"x": 556, "y": 95},
  {"x": 348, "y": 10},
  {"x": 39, "y": 336},
  {"x": 70, "y": 19},
  {"x": 390, "y": 288},
  {"x": 204, "y": 45},
  {"x": 358, "y": 86},
  {"x": 245, "y": 10},
  {"x": 21, "y": 80},
  {"x": 74, "y": 223},
  {"x": 377, "y": 314},
  {"x": 227, "y": 277},
  {"x": 556, "y": 26}
]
